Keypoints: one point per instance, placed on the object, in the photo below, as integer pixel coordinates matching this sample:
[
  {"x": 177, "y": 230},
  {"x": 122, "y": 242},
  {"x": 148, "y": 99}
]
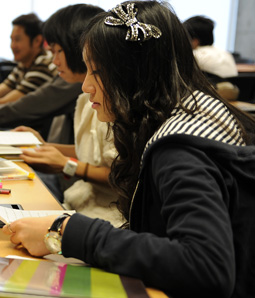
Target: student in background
[
  {"x": 91, "y": 156},
  {"x": 35, "y": 65},
  {"x": 185, "y": 166},
  {"x": 216, "y": 63}
]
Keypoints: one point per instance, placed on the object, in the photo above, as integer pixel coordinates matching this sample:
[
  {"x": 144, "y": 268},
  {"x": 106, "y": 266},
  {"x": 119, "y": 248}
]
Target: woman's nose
[{"x": 87, "y": 86}]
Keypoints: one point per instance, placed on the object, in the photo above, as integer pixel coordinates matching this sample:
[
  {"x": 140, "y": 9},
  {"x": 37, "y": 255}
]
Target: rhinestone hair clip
[{"x": 129, "y": 19}]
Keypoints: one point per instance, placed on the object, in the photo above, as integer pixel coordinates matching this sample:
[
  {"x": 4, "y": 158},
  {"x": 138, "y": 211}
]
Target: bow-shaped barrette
[{"x": 129, "y": 19}]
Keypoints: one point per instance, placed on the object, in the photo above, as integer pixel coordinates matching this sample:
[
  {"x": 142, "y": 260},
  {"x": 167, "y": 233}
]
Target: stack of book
[
  {"x": 12, "y": 143},
  {"x": 9, "y": 170}
]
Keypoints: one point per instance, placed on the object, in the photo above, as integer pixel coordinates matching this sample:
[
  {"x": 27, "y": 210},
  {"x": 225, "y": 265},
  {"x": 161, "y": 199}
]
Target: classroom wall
[
  {"x": 224, "y": 18},
  {"x": 14, "y": 8},
  {"x": 234, "y": 30},
  {"x": 245, "y": 29}
]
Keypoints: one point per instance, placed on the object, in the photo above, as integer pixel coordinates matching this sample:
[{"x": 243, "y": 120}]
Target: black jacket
[
  {"x": 192, "y": 222},
  {"x": 193, "y": 236}
]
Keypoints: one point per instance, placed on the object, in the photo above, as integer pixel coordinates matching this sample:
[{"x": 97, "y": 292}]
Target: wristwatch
[
  {"x": 70, "y": 167},
  {"x": 53, "y": 238}
]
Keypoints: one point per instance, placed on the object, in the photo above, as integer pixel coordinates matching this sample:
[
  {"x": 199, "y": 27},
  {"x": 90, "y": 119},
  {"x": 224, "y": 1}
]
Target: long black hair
[
  {"x": 65, "y": 27},
  {"x": 143, "y": 82}
]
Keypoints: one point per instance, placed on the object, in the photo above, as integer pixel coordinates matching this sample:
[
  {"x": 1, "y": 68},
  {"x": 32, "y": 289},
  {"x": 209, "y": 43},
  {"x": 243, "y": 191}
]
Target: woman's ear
[{"x": 195, "y": 43}]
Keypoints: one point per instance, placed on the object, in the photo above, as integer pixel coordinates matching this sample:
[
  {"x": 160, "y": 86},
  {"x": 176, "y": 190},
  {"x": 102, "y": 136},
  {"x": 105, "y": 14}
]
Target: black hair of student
[
  {"x": 142, "y": 83},
  {"x": 65, "y": 26},
  {"x": 201, "y": 28},
  {"x": 31, "y": 23}
]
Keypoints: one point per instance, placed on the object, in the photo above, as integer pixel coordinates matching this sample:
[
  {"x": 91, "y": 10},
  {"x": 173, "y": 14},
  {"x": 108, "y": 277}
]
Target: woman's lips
[{"x": 95, "y": 105}]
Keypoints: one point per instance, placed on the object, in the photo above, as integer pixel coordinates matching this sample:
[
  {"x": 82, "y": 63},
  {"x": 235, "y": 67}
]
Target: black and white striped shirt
[
  {"x": 26, "y": 80},
  {"x": 211, "y": 120}
]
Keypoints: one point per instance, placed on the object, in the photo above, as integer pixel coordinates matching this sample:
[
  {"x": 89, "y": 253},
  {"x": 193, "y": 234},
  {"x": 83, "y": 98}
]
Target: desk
[
  {"x": 245, "y": 81},
  {"x": 244, "y": 106},
  {"x": 31, "y": 194},
  {"x": 243, "y": 67},
  {"x": 34, "y": 195}
]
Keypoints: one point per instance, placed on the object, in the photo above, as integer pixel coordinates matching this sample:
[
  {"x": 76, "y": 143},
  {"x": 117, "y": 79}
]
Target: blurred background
[{"x": 234, "y": 30}]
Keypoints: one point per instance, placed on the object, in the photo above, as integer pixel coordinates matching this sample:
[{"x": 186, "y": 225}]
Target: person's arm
[
  {"x": 4, "y": 89},
  {"x": 193, "y": 249},
  {"x": 65, "y": 149},
  {"x": 12, "y": 96},
  {"x": 52, "y": 158},
  {"x": 52, "y": 99},
  {"x": 192, "y": 256},
  {"x": 30, "y": 232}
]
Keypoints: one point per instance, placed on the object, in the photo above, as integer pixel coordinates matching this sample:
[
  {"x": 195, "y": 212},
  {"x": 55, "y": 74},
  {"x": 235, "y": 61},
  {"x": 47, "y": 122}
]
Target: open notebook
[
  {"x": 39, "y": 278},
  {"x": 8, "y": 215}
]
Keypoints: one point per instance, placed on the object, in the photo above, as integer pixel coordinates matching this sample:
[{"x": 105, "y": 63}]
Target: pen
[{"x": 5, "y": 191}]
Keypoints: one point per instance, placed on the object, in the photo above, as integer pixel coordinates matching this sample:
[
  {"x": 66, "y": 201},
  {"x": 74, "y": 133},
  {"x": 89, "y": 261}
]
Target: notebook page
[{"x": 8, "y": 215}]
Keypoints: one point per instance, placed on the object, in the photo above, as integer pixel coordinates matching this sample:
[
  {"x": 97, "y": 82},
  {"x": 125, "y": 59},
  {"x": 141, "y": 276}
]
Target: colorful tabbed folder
[{"x": 50, "y": 279}]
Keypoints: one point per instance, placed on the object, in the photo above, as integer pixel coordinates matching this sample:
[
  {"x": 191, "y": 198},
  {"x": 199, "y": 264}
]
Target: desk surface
[
  {"x": 34, "y": 195},
  {"x": 31, "y": 194},
  {"x": 244, "y": 106},
  {"x": 245, "y": 67}
]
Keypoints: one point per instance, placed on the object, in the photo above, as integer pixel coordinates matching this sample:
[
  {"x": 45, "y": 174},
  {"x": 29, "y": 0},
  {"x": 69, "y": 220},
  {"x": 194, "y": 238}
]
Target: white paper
[
  {"x": 18, "y": 138},
  {"x": 8, "y": 215}
]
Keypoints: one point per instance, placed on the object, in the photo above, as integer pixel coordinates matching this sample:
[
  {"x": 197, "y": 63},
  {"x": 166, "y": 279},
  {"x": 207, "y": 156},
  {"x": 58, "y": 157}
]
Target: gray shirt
[{"x": 38, "y": 108}]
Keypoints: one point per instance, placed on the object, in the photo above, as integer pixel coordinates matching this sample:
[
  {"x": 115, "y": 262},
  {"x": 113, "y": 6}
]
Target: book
[
  {"x": 9, "y": 150},
  {"x": 13, "y": 153},
  {"x": 9, "y": 170},
  {"x": 41, "y": 278},
  {"x": 8, "y": 215},
  {"x": 18, "y": 138}
]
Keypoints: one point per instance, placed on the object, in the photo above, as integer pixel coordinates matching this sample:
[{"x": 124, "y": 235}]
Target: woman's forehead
[{"x": 87, "y": 57}]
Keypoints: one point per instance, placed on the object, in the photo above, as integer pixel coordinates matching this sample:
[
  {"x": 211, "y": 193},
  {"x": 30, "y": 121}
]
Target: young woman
[
  {"x": 185, "y": 166},
  {"x": 91, "y": 156}
]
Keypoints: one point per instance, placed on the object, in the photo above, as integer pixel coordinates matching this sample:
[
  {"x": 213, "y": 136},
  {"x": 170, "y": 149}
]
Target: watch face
[
  {"x": 70, "y": 167},
  {"x": 53, "y": 242}
]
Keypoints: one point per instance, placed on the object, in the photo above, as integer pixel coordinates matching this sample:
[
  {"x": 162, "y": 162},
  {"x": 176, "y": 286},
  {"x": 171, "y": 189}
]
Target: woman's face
[
  {"x": 93, "y": 85},
  {"x": 59, "y": 59}
]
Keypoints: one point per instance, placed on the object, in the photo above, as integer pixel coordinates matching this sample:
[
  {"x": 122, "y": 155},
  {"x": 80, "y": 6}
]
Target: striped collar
[{"x": 211, "y": 120}]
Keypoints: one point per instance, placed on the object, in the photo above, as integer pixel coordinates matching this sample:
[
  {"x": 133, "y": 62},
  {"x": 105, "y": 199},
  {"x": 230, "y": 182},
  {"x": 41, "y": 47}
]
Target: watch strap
[{"x": 58, "y": 222}]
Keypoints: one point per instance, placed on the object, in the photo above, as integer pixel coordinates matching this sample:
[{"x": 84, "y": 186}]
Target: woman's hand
[
  {"x": 30, "y": 232},
  {"x": 26, "y": 128},
  {"x": 45, "y": 159}
]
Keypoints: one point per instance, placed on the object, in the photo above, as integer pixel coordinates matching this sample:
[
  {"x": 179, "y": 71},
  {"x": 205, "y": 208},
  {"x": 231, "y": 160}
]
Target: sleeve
[
  {"x": 52, "y": 99},
  {"x": 11, "y": 79},
  {"x": 195, "y": 258}
]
